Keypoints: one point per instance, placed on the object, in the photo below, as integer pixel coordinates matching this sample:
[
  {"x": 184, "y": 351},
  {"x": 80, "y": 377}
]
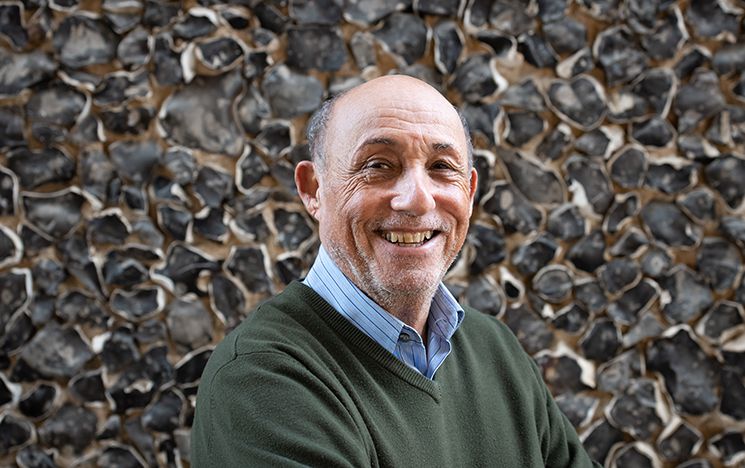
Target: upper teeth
[{"x": 408, "y": 237}]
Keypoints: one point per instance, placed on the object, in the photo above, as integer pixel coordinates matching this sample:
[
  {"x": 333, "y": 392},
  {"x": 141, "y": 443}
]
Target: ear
[
  {"x": 474, "y": 185},
  {"x": 307, "y": 183}
]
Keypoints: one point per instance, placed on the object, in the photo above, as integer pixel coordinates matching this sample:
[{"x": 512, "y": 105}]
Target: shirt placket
[{"x": 411, "y": 350}]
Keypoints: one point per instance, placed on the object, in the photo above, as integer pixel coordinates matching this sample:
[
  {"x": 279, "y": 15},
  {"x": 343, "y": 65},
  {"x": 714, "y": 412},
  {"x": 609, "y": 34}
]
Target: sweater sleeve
[
  {"x": 561, "y": 446},
  {"x": 267, "y": 409}
]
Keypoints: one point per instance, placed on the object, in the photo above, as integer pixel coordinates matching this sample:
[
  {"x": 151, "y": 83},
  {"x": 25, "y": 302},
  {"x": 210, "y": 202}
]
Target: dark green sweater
[{"x": 297, "y": 384}]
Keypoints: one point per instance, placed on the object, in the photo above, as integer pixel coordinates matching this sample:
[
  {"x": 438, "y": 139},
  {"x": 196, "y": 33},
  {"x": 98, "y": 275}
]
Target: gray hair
[{"x": 317, "y": 127}]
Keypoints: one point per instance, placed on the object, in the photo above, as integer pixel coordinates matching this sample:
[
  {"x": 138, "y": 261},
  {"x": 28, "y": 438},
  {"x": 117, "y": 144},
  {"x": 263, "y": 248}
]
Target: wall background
[{"x": 147, "y": 204}]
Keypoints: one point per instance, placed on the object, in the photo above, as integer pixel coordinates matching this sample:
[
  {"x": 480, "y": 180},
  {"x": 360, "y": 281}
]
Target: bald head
[{"x": 390, "y": 88}]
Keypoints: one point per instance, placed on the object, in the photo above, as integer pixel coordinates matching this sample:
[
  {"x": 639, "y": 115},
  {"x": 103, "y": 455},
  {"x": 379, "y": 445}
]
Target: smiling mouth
[{"x": 408, "y": 239}]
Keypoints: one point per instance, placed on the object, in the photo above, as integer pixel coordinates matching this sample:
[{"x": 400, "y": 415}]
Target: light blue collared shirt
[{"x": 445, "y": 316}]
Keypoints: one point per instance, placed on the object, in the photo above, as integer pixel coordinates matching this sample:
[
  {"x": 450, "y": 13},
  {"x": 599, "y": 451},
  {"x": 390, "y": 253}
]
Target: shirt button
[{"x": 403, "y": 337}]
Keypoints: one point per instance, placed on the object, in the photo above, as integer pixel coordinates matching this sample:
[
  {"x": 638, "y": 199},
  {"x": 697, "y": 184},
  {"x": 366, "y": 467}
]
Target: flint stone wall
[{"x": 147, "y": 203}]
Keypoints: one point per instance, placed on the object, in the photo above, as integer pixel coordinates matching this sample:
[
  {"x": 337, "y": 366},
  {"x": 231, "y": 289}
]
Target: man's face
[{"x": 396, "y": 189}]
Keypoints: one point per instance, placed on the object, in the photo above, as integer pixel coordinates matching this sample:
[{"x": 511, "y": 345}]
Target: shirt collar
[{"x": 325, "y": 277}]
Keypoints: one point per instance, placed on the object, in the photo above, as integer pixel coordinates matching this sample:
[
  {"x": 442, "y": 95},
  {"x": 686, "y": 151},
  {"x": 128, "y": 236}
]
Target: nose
[{"x": 413, "y": 193}]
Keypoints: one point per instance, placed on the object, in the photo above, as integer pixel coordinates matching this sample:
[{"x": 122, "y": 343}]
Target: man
[{"x": 370, "y": 361}]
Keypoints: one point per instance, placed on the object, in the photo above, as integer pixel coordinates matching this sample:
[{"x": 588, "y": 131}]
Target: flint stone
[
  {"x": 11, "y": 126},
  {"x": 48, "y": 275},
  {"x": 523, "y": 127},
  {"x": 587, "y": 253},
  {"x": 691, "y": 377},
  {"x": 11, "y": 20},
  {"x": 14, "y": 432},
  {"x": 366, "y": 12},
  {"x": 108, "y": 229},
  {"x": 20, "y": 71},
  {"x": 273, "y": 138},
  {"x": 190, "y": 368},
  {"x": 731, "y": 445},
  {"x": 122, "y": 270},
  {"x": 404, "y": 35},
  {"x": 722, "y": 316},
  {"x": 566, "y": 222},
  {"x": 475, "y": 79},
  {"x": 656, "y": 262},
  {"x": 618, "y": 275},
  {"x": 562, "y": 373},
  {"x": 700, "y": 205},
  {"x": 38, "y": 402},
  {"x": 80, "y": 41},
  {"x": 55, "y": 214},
  {"x": 593, "y": 143},
  {"x": 119, "y": 88},
  {"x": 655, "y": 131},
  {"x": 315, "y": 47},
  {"x": 695, "y": 58},
  {"x": 512, "y": 208},
  {"x": 362, "y": 46},
  {"x": 718, "y": 262},
  {"x": 554, "y": 143},
  {"x": 532, "y": 332},
  {"x": 628, "y": 169},
  {"x": 600, "y": 439},
  {"x": 247, "y": 265},
  {"x": 227, "y": 300},
  {"x": 181, "y": 165},
  {"x": 577, "y": 408},
  {"x": 536, "y": 50},
  {"x": 530, "y": 257},
  {"x": 618, "y": 374},
  {"x": 631, "y": 456},
  {"x": 183, "y": 266},
  {"x": 524, "y": 95},
  {"x": 710, "y": 19},
  {"x": 689, "y": 295},
  {"x": 121, "y": 456},
  {"x": 576, "y": 64},
  {"x": 620, "y": 213},
  {"x": 489, "y": 243},
  {"x": 601, "y": 341},
  {"x": 166, "y": 62},
  {"x": 210, "y": 223},
  {"x": 502, "y": 45},
  {"x": 700, "y": 99},
  {"x": 553, "y": 283},
  {"x": 621, "y": 60},
  {"x": 132, "y": 389},
  {"x": 195, "y": 116},
  {"x": 571, "y": 319},
  {"x": 192, "y": 26},
  {"x": 326, "y": 12},
  {"x": 17, "y": 333},
  {"x": 528, "y": 176},
  {"x": 484, "y": 169},
  {"x": 253, "y": 109},
  {"x": 437, "y": 7},
  {"x": 679, "y": 444},
  {"x": 11, "y": 249},
  {"x": 729, "y": 59},
  {"x": 566, "y": 35},
  {"x": 77, "y": 307},
  {"x": 590, "y": 175},
  {"x": 129, "y": 121},
  {"x": 590, "y": 296},
  {"x": 137, "y": 304},
  {"x": 134, "y": 49},
  {"x": 220, "y": 53},
  {"x": 635, "y": 410},
  {"x": 34, "y": 456},
  {"x": 725, "y": 175},
  {"x": 189, "y": 323},
  {"x": 629, "y": 243},
  {"x": 580, "y": 101},
  {"x": 485, "y": 295},
  {"x": 668, "y": 224},
  {"x": 96, "y": 173},
  {"x": 481, "y": 118},
  {"x": 448, "y": 45},
  {"x": 667, "y": 38},
  {"x": 733, "y": 395},
  {"x": 88, "y": 387},
  {"x": 56, "y": 352},
  {"x": 175, "y": 221},
  {"x": 55, "y": 106},
  {"x": 289, "y": 94}
]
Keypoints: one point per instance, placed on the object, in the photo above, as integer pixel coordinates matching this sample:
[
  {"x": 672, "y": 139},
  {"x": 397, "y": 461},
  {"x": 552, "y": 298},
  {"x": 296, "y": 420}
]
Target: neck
[{"x": 410, "y": 308}]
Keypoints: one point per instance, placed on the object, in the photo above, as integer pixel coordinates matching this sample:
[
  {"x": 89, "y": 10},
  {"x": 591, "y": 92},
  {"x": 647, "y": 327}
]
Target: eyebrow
[{"x": 438, "y": 147}]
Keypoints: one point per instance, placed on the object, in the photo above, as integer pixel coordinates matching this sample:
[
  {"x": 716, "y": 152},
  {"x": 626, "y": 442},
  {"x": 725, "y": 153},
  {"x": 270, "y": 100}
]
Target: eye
[
  {"x": 377, "y": 164},
  {"x": 442, "y": 166}
]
